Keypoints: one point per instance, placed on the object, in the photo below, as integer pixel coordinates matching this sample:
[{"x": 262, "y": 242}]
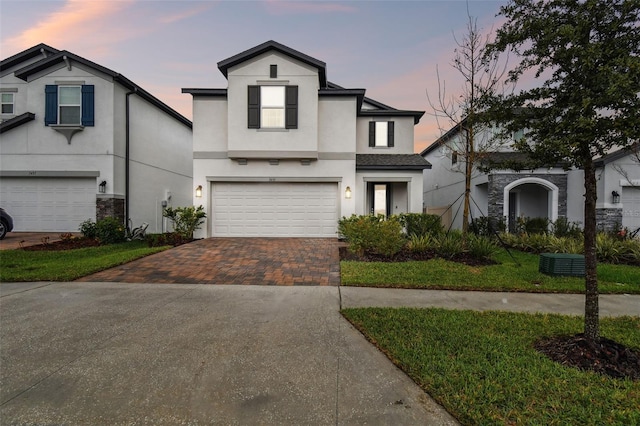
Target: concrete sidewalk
[{"x": 611, "y": 305}]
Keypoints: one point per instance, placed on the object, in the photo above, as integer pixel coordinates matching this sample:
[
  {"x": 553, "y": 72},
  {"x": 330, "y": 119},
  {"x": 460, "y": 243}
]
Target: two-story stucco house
[
  {"x": 283, "y": 152},
  {"x": 79, "y": 141},
  {"x": 549, "y": 192}
]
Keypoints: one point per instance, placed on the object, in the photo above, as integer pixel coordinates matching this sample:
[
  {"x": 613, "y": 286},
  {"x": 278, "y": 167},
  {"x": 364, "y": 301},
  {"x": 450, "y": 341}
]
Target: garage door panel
[
  {"x": 630, "y": 199},
  {"x": 48, "y": 204},
  {"x": 274, "y": 209}
]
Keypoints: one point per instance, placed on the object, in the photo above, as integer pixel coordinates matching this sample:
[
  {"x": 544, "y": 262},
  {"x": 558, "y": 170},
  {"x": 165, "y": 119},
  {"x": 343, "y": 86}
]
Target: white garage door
[
  {"x": 630, "y": 199},
  {"x": 48, "y": 204},
  {"x": 278, "y": 209}
]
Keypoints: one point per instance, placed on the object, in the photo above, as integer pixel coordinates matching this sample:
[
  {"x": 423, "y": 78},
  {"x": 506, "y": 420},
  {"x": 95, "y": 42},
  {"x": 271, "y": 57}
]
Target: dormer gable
[{"x": 271, "y": 45}]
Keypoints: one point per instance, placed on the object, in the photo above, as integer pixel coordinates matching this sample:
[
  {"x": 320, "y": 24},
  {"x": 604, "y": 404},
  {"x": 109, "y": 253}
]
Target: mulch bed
[
  {"x": 605, "y": 356},
  {"x": 407, "y": 255},
  {"x": 65, "y": 244}
]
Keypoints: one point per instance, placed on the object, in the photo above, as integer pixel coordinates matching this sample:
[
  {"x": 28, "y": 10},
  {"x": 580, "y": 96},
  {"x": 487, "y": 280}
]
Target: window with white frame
[
  {"x": 381, "y": 134},
  {"x": 69, "y": 104},
  {"x": 272, "y": 103},
  {"x": 7, "y": 103}
]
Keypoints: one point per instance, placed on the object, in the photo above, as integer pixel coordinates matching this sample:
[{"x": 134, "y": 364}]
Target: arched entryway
[{"x": 530, "y": 197}]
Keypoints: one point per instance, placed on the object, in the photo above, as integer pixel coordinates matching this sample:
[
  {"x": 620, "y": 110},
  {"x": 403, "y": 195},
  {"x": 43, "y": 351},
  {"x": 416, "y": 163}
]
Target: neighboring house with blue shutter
[
  {"x": 79, "y": 141},
  {"x": 283, "y": 152}
]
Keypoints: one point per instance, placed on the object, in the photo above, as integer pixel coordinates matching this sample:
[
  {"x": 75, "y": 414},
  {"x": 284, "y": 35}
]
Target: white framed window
[
  {"x": 382, "y": 133},
  {"x": 272, "y": 107},
  {"x": 69, "y": 104},
  {"x": 7, "y": 104}
]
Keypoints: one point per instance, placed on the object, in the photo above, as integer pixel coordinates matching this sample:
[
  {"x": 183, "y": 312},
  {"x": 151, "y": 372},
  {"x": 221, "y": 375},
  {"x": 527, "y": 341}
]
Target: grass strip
[
  {"x": 68, "y": 265},
  {"x": 482, "y": 367},
  {"x": 506, "y": 276}
]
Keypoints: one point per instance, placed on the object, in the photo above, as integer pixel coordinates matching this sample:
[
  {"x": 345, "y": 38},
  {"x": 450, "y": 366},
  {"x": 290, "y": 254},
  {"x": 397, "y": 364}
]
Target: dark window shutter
[
  {"x": 50, "y": 104},
  {"x": 291, "y": 107},
  {"x": 390, "y": 132},
  {"x": 88, "y": 108},
  {"x": 372, "y": 133},
  {"x": 254, "y": 107}
]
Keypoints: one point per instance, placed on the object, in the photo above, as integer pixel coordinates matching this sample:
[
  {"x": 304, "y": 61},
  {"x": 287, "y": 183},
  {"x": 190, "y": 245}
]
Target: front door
[{"x": 380, "y": 198}]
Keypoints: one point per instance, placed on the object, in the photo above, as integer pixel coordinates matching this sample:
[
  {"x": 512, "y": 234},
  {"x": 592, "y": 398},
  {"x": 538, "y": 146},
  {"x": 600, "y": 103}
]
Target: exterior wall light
[
  {"x": 102, "y": 188},
  {"x": 347, "y": 193},
  {"x": 199, "y": 191},
  {"x": 615, "y": 197}
]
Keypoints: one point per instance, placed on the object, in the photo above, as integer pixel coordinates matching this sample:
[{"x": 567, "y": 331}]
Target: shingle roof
[{"x": 391, "y": 162}]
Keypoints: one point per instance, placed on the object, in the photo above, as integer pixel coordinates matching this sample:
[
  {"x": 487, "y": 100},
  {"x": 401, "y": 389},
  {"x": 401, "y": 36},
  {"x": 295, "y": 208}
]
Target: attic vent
[{"x": 273, "y": 71}]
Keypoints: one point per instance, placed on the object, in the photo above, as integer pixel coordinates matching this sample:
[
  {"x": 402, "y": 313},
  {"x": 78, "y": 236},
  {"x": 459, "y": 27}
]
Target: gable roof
[
  {"x": 225, "y": 64},
  {"x": 617, "y": 155},
  {"x": 38, "y": 50},
  {"x": 63, "y": 56}
]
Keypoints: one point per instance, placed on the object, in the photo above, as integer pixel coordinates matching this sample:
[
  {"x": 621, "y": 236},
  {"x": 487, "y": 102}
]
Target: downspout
[{"x": 126, "y": 160}]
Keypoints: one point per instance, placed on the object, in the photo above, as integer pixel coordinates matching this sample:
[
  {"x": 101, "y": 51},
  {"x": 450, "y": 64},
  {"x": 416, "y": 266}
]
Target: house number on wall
[{"x": 32, "y": 173}]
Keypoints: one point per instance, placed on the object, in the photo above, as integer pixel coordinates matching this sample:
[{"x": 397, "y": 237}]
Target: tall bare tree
[{"x": 461, "y": 112}]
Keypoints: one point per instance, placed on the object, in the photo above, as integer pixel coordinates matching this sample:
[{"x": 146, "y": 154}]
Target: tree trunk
[
  {"x": 591, "y": 309},
  {"x": 469, "y": 157}
]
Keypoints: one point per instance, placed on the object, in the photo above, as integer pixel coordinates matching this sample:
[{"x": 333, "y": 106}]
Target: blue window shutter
[
  {"x": 50, "y": 104},
  {"x": 88, "y": 108}
]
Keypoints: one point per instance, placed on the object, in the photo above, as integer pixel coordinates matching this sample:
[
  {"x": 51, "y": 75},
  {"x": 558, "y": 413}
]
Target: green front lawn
[
  {"x": 68, "y": 265},
  {"x": 482, "y": 367},
  {"x": 506, "y": 276}
]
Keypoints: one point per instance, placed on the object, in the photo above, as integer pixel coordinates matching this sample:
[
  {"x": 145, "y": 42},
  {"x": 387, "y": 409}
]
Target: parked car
[{"x": 6, "y": 223}]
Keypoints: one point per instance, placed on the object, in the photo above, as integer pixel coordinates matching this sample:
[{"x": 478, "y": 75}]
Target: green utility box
[{"x": 562, "y": 264}]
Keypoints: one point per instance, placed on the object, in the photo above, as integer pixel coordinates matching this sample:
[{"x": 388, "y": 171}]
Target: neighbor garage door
[
  {"x": 278, "y": 209},
  {"x": 48, "y": 204},
  {"x": 630, "y": 199}
]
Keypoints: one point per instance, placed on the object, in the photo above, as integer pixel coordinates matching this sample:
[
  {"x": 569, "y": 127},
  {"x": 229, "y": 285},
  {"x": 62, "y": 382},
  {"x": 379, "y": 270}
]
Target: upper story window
[
  {"x": 381, "y": 134},
  {"x": 273, "y": 107},
  {"x": 69, "y": 105},
  {"x": 454, "y": 157},
  {"x": 7, "y": 103}
]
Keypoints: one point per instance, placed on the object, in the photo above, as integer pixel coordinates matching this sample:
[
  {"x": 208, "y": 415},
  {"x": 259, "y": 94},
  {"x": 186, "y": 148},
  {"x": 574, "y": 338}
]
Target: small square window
[{"x": 7, "y": 103}]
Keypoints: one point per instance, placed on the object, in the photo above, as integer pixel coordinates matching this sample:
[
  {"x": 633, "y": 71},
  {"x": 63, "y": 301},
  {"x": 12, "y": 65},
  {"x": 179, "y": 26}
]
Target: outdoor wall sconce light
[
  {"x": 199, "y": 191},
  {"x": 102, "y": 188},
  {"x": 347, "y": 193},
  {"x": 615, "y": 197}
]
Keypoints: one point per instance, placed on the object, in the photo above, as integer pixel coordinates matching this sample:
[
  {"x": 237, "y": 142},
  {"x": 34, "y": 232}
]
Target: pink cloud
[
  {"x": 75, "y": 23},
  {"x": 277, "y": 7},
  {"x": 185, "y": 14}
]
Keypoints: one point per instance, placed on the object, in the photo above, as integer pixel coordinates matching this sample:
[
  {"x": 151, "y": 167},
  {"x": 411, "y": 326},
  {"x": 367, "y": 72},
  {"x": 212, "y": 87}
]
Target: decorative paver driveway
[{"x": 259, "y": 261}]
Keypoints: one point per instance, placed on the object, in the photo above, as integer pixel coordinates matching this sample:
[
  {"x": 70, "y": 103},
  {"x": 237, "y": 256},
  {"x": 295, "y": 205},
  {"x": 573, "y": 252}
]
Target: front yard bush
[
  {"x": 372, "y": 234},
  {"x": 185, "y": 219},
  {"x": 108, "y": 230},
  {"x": 421, "y": 224}
]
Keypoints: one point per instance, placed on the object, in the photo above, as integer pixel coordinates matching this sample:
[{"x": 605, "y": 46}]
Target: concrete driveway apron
[{"x": 254, "y": 261}]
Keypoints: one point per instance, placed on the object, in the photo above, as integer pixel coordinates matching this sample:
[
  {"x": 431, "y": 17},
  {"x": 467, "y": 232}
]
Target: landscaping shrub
[
  {"x": 487, "y": 226},
  {"x": 608, "y": 249},
  {"x": 421, "y": 244},
  {"x": 372, "y": 234},
  {"x": 110, "y": 231},
  {"x": 532, "y": 225},
  {"x": 481, "y": 247},
  {"x": 421, "y": 224},
  {"x": 88, "y": 229},
  {"x": 185, "y": 219},
  {"x": 563, "y": 228},
  {"x": 450, "y": 245}
]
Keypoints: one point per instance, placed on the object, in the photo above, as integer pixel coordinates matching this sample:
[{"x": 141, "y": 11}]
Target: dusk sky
[{"x": 390, "y": 48}]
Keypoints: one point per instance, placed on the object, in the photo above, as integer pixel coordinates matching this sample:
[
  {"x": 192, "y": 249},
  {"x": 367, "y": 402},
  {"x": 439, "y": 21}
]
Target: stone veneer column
[
  {"x": 110, "y": 207},
  {"x": 608, "y": 219}
]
